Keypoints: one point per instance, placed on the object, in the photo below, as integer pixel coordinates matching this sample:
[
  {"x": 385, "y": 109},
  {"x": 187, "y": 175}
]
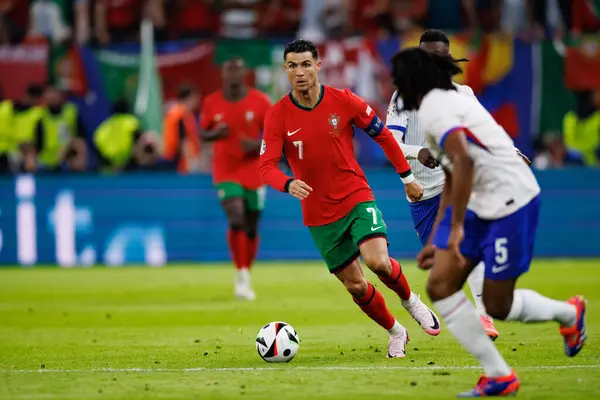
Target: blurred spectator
[
  {"x": 117, "y": 20},
  {"x": 549, "y": 18},
  {"x": 192, "y": 18},
  {"x": 514, "y": 16},
  {"x": 181, "y": 134},
  {"x": 14, "y": 16},
  {"x": 155, "y": 10},
  {"x": 46, "y": 20},
  {"x": 29, "y": 113},
  {"x": 62, "y": 138},
  {"x": 585, "y": 16},
  {"x": 582, "y": 127},
  {"x": 447, "y": 15},
  {"x": 281, "y": 18},
  {"x": 556, "y": 154},
  {"x": 409, "y": 13},
  {"x": 385, "y": 17},
  {"x": 82, "y": 21},
  {"x": 8, "y": 140},
  {"x": 240, "y": 18},
  {"x": 310, "y": 21},
  {"x": 488, "y": 15},
  {"x": 334, "y": 18},
  {"x": 116, "y": 139}
]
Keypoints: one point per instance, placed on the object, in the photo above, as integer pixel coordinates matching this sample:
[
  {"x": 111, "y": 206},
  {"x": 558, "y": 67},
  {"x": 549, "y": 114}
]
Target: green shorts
[
  {"x": 339, "y": 241},
  {"x": 254, "y": 199}
]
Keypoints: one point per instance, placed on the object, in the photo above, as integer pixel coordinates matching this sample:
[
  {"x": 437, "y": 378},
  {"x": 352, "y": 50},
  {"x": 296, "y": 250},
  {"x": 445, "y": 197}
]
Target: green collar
[{"x": 300, "y": 106}]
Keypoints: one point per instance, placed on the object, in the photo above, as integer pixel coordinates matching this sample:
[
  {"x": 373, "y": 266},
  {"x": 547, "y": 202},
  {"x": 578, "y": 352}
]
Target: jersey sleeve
[
  {"x": 397, "y": 123},
  {"x": 205, "y": 115},
  {"x": 366, "y": 119},
  {"x": 439, "y": 117},
  {"x": 270, "y": 152}
]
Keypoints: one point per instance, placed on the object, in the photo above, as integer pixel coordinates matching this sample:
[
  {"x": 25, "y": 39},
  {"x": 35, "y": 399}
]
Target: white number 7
[
  {"x": 300, "y": 146},
  {"x": 374, "y": 212}
]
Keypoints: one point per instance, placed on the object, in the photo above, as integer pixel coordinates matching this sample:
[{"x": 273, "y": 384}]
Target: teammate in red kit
[
  {"x": 233, "y": 118},
  {"x": 313, "y": 126}
]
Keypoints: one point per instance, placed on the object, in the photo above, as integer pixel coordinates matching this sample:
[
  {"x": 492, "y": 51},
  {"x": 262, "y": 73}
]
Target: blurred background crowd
[{"x": 72, "y": 71}]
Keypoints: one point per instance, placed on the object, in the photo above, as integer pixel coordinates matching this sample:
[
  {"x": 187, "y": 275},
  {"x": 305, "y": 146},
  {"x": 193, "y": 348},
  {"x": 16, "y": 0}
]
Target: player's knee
[
  {"x": 357, "y": 287},
  {"x": 380, "y": 264},
  {"x": 439, "y": 288},
  {"x": 497, "y": 307},
  {"x": 237, "y": 223}
]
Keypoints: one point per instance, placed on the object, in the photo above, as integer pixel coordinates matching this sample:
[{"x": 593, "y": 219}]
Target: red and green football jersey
[{"x": 318, "y": 144}]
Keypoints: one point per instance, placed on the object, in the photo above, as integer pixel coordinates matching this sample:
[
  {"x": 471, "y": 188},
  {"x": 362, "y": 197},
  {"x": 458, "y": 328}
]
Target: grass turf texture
[{"x": 181, "y": 325}]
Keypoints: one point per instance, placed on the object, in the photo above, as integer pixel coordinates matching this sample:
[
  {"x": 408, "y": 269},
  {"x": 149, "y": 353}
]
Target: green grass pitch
[{"x": 177, "y": 333}]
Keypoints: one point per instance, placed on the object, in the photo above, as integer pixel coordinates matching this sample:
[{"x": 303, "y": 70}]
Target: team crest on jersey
[
  {"x": 334, "y": 122},
  {"x": 249, "y": 116},
  {"x": 218, "y": 117}
]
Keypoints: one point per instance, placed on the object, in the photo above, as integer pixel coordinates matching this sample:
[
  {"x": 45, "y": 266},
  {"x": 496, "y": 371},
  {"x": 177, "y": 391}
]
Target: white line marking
[{"x": 335, "y": 368}]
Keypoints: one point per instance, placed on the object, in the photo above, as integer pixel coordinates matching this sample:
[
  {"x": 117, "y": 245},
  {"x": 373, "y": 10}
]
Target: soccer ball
[{"x": 277, "y": 342}]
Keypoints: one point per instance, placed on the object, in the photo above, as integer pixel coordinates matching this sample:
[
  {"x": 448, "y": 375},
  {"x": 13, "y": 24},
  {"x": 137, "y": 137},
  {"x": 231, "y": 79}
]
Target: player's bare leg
[
  {"x": 375, "y": 254},
  {"x": 251, "y": 230},
  {"x": 235, "y": 210},
  {"x": 475, "y": 281},
  {"x": 372, "y": 303},
  {"x": 506, "y": 303},
  {"x": 444, "y": 287}
]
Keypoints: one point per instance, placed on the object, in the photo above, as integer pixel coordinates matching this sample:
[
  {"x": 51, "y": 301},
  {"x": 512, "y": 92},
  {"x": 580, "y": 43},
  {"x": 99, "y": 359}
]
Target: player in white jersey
[
  {"x": 489, "y": 211},
  {"x": 404, "y": 125}
]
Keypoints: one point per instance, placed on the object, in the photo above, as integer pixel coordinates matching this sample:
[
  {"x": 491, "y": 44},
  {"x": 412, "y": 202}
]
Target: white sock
[
  {"x": 530, "y": 306},
  {"x": 411, "y": 300},
  {"x": 475, "y": 281},
  {"x": 397, "y": 329},
  {"x": 463, "y": 322}
]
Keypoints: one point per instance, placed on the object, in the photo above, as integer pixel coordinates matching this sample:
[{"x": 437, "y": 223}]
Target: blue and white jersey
[
  {"x": 502, "y": 183},
  {"x": 405, "y": 128}
]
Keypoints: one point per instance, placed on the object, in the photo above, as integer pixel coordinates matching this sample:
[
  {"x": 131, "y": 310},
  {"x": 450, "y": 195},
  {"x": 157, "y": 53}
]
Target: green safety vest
[
  {"x": 25, "y": 123},
  {"x": 583, "y": 135},
  {"x": 114, "y": 138},
  {"x": 58, "y": 132},
  {"x": 8, "y": 139}
]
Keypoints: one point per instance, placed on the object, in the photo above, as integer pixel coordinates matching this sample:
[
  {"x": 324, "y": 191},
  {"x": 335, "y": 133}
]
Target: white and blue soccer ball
[{"x": 277, "y": 342}]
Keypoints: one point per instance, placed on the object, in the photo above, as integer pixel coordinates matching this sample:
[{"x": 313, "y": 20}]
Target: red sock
[
  {"x": 233, "y": 240},
  {"x": 373, "y": 304},
  {"x": 251, "y": 250},
  {"x": 397, "y": 281}
]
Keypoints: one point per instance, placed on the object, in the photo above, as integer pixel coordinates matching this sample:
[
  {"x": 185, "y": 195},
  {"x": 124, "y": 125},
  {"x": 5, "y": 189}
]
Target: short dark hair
[
  {"x": 185, "y": 91},
  {"x": 35, "y": 90},
  {"x": 416, "y": 72},
  {"x": 301, "y": 46},
  {"x": 121, "y": 106},
  {"x": 434, "y": 35}
]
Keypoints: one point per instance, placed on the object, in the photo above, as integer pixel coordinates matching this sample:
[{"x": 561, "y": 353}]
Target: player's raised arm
[
  {"x": 366, "y": 119},
  {"x": 209, "y": 129},
  {"x": 397, "y": 123}
]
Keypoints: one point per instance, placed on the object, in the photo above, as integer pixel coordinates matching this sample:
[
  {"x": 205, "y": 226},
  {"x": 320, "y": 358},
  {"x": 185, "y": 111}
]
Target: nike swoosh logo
[
  {"x": 373, "y": 229},
  {"x": 436, "y": 324},
  {"x": 292, "y": 133},
  {"x": 496, "y": 270}
]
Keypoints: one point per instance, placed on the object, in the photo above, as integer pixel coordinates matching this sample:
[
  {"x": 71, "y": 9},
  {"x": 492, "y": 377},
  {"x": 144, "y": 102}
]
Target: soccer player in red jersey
[
  {"x": 313, "y": 126},
  {"x": 233, "y": 118}
]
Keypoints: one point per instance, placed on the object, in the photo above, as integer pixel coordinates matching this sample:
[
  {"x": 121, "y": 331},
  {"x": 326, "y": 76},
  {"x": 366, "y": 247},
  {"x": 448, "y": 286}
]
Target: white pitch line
[{"x": 300, "y": 368}]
